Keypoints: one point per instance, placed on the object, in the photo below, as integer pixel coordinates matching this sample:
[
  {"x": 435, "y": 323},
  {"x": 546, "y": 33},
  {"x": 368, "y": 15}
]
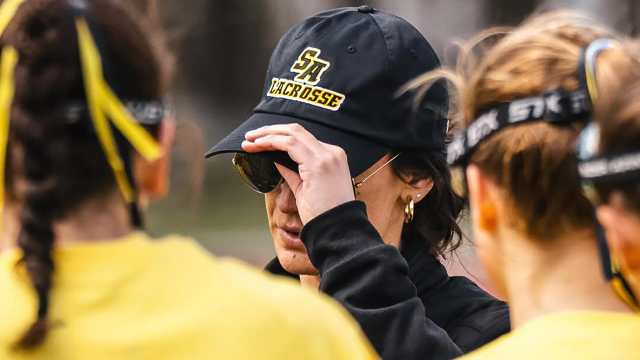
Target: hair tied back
[{"x": 104, "y": 105}]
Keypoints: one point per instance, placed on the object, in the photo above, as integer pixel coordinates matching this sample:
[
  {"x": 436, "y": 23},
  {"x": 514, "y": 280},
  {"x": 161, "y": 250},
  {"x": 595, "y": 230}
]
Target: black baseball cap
[{"x": 338, "y": 74}]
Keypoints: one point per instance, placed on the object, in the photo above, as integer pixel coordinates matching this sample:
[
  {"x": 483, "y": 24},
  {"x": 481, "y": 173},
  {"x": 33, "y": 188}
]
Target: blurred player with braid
[{"x": 82, "y": 144}]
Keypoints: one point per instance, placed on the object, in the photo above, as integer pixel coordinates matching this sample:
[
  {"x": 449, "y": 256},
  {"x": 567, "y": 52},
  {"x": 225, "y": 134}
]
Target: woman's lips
[{"x": 291, "y": 239}]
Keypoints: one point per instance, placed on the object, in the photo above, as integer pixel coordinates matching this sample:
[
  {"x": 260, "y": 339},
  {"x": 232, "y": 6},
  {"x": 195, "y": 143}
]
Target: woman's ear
[
  {"x": 153, "y": 178},
  {"x": 416, "y": 188}
]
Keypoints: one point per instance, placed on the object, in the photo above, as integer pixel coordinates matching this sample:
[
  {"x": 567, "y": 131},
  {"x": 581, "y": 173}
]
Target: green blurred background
[{"x": 222, "y": 49}]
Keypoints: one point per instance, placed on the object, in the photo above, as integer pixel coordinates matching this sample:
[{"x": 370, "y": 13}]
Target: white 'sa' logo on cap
[{"x": 302, "y": 88}]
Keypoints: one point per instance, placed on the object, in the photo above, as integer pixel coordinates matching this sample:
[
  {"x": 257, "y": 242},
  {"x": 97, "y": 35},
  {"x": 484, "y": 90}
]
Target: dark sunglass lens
[{"x": 259, "y": 173}]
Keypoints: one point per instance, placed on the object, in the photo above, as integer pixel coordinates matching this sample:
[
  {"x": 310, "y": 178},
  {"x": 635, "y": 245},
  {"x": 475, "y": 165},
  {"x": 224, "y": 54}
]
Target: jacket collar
[{"x": 425, "y": 271}]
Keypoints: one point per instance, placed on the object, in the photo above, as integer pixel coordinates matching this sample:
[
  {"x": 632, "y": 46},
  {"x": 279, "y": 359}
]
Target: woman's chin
[{"x": 296, "y": 262}]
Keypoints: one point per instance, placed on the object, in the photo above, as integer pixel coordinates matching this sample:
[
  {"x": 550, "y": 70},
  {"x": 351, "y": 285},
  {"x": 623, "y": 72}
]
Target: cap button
[{"x": 365, "y": 9}]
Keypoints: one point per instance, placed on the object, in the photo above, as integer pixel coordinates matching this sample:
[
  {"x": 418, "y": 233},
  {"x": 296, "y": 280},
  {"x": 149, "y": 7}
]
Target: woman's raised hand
[{"x": 323, "y": 180}]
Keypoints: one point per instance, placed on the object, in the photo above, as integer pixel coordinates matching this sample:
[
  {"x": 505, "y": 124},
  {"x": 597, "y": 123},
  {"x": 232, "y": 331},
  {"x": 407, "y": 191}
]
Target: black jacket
[{"x": 406, "y": 303}]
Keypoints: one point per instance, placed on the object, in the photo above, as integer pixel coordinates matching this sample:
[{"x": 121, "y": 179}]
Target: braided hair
[{"x": 53, "y": 166}]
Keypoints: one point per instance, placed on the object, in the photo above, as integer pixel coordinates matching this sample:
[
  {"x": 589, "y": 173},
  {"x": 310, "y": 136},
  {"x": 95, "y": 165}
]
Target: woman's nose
[{"x": 285, "y": 201}]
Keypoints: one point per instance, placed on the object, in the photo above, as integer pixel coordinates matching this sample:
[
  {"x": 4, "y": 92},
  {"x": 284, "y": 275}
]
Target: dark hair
[
  {"x": 54, "y": 167},
  {"x": 436, "y": 216}
]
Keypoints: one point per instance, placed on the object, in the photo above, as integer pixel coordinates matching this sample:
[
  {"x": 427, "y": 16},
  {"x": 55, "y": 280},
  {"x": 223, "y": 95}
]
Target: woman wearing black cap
[
  {"x": 333, "y": 82},
  {"x": 79, "y": 278}
]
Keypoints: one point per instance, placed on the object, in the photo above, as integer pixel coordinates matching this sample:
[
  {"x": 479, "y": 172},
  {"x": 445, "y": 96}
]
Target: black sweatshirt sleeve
[{"x": 370, "y": 279}]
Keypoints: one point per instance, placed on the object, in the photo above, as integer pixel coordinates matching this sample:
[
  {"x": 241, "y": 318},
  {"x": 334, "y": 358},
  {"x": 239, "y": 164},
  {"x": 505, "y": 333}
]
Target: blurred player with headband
[
  {"x": 523, "y": 106},
  {"x": 609, "y": 154}
]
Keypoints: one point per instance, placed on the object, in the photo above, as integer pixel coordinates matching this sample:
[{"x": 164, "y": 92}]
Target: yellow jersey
[
  {"x": 138, "y": 298},
  {"x": 584, "y": 335}
]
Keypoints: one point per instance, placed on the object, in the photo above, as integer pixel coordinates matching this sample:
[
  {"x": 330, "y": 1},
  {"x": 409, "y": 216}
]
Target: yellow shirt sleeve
[{"x": 315, "y": 325}]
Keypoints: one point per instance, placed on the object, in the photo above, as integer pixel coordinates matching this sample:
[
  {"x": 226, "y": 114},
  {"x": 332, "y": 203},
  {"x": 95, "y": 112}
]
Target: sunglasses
[{"x": 262, "y": 175}]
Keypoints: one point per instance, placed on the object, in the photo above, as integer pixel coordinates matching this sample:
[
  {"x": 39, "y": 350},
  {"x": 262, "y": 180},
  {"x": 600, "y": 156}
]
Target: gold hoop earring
[{"x": 408, "y": 211}]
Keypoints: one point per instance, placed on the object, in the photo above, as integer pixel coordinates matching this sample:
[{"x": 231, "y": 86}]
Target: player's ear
[
  {"x": 622, "y": 229},
  {"x": 482, "y": 197},
  {"x": 152, "y": 179}
]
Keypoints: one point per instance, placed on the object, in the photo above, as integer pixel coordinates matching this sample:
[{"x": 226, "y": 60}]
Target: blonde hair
[{"x": 533, "y": 163}]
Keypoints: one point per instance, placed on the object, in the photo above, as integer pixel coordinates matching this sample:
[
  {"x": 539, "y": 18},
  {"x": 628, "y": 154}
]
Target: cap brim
[{"x": 361, "y": 152}]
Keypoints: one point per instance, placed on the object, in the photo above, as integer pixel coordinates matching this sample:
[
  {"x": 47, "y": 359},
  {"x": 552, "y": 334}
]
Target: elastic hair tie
[{"x": 587, "y": 65}]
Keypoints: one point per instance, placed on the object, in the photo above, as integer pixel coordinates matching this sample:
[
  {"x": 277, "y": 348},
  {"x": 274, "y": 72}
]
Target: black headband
[
  {"x": 621, "y": 167},
  {"x": 557, "y": 106},
  {"x": 149, "y": 112}
]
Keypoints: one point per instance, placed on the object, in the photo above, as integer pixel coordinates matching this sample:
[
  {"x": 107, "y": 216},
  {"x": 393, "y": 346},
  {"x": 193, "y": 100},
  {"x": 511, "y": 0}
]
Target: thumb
[{"x": 291, "y": 177}]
